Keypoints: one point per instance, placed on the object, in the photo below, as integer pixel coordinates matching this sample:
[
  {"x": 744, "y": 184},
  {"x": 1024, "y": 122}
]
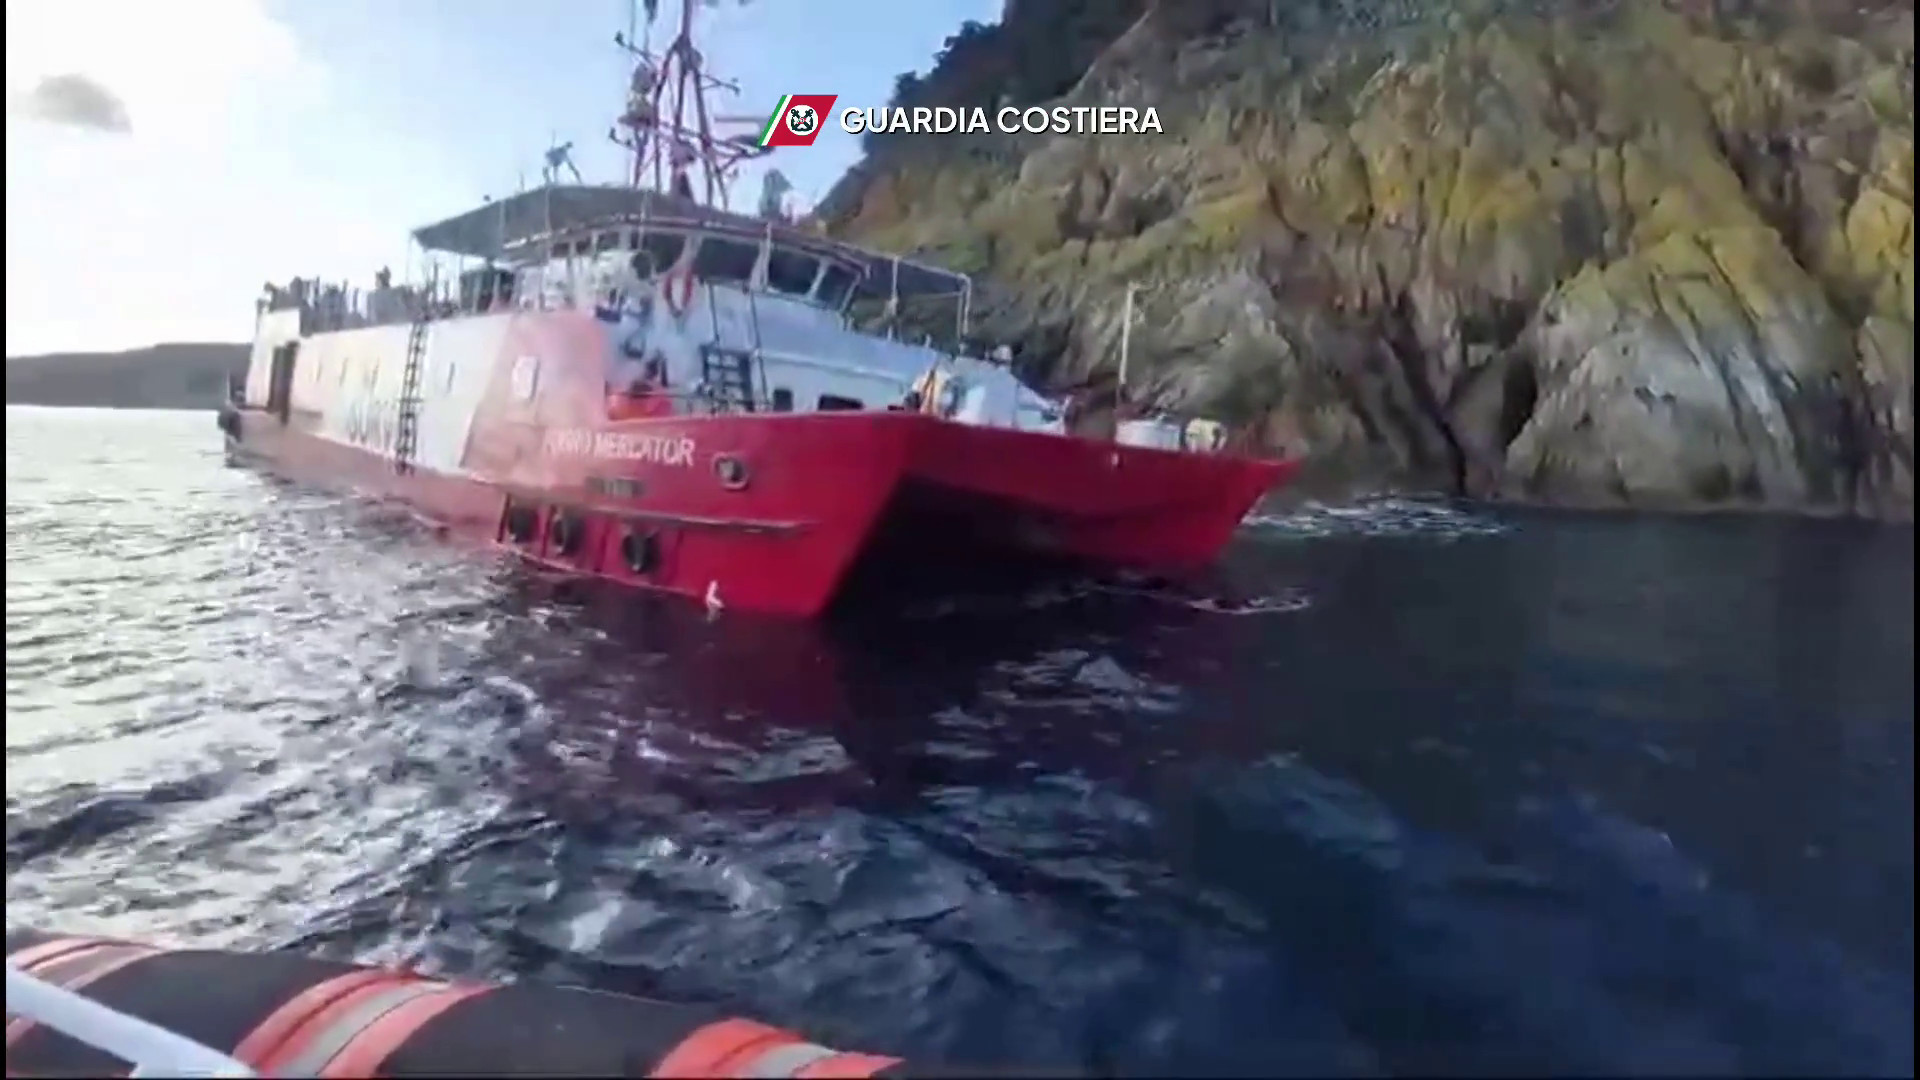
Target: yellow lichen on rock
[
  {"x": 1670, "y": 368},
  {"x": 1879, "y": 229},
  {"x": 1606, "y": 251}
]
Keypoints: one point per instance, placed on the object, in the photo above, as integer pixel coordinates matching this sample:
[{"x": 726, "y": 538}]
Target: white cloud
[
  {"x": 73, "y": 100},
  {"x": 185, "y": 71},
  {"x": 238, "y": 168}
]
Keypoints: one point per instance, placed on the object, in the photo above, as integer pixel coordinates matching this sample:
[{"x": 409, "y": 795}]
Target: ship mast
[{"x": 667, "y": 127}]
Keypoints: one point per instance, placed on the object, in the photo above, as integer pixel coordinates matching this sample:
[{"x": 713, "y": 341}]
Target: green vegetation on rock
[{"x": 1647, "y": 251}]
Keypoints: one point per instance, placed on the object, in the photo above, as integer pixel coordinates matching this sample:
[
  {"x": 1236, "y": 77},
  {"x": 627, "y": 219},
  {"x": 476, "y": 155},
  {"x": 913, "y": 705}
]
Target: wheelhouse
[
  {"x": 551, "y": 270},
  {"x": 565, "y": 245}
]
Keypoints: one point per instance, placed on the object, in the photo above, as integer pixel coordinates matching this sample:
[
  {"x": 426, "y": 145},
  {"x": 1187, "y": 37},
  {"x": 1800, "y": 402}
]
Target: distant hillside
[{"x": 185, "y": 375}]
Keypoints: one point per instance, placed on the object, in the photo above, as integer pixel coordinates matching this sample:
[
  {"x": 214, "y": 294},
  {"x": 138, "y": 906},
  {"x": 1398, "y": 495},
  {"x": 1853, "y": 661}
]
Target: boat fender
[
  {"x": 521, "y": 523},
  {"x": 283, "y": 1014},
  {"x": 564, "y": 532},
  {"x": 640, "y": 550}
]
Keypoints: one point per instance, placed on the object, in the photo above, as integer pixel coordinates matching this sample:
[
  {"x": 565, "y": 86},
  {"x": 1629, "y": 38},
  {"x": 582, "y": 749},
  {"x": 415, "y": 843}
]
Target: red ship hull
[
  {"x": 812, "y": 495},
  {"x": 520, "y": 442}
]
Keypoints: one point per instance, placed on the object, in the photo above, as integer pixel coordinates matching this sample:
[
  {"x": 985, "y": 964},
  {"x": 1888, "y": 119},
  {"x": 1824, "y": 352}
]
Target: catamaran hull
[
  {"x": 772, "y": 513},
  {"x": 516, "y": 438}
]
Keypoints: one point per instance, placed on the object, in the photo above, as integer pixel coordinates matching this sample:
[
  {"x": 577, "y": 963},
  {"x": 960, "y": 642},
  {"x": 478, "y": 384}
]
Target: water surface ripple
[{"x": 1406, "y": 788}]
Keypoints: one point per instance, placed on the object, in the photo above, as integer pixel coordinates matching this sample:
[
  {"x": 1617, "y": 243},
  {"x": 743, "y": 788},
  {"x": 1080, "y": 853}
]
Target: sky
[{"x": 164, "y": 160}]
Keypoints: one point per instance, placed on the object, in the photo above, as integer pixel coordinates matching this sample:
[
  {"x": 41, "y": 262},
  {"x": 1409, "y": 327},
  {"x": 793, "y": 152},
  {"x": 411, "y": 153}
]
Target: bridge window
[
  {"x": 835, "y": 403},
  {"x": 720, "y": 259},
  {"x": 782, "y": 399},
  {"x": 791, "y": 272},
  {"x": 836, "y": 284},
  {"x": 657, "y": 251}
]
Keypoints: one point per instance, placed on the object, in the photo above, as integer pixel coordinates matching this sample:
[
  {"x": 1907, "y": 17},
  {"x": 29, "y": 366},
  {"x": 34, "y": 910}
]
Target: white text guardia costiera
[{"x": 1035, "y": 120}]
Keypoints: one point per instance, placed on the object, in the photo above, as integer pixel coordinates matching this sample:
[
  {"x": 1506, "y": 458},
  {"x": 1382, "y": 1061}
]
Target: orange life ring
[{"x": 677, "y": 288}]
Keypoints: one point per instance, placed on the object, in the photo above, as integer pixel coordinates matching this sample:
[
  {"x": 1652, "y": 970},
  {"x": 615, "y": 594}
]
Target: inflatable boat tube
[{"x": 283, "y": 1014}]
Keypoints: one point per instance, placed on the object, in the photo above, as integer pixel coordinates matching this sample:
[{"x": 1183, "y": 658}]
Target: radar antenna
[{"x": 667, "y": 128}]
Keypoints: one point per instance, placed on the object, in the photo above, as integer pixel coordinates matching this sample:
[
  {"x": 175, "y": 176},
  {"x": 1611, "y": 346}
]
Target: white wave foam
[
  {"x": 1385, "y": 516},
  {"x": 1280, "y": 603}
]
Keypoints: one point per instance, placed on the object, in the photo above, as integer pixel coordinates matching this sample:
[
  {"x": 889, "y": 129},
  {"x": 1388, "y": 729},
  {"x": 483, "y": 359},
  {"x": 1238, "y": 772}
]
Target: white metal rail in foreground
[{"x": 151, "y": 1049}]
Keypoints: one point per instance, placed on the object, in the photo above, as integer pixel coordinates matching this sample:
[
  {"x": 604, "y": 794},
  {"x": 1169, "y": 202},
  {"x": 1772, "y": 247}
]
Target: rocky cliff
[{"x": 1649, "y": 252}]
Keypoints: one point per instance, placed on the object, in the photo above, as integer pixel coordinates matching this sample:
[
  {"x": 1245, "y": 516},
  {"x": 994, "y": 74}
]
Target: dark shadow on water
[{"x": 1576, "y": 822}]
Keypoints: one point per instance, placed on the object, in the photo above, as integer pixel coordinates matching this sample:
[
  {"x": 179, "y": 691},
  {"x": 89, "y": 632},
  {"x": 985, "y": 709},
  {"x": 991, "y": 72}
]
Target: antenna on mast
[{"x": 666, "y": 127}]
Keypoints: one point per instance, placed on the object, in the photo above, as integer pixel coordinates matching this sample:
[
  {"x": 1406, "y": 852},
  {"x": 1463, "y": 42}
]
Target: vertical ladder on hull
[
  {"x": 406, "y": 438},
  {"x": 728, "y": 375}
]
